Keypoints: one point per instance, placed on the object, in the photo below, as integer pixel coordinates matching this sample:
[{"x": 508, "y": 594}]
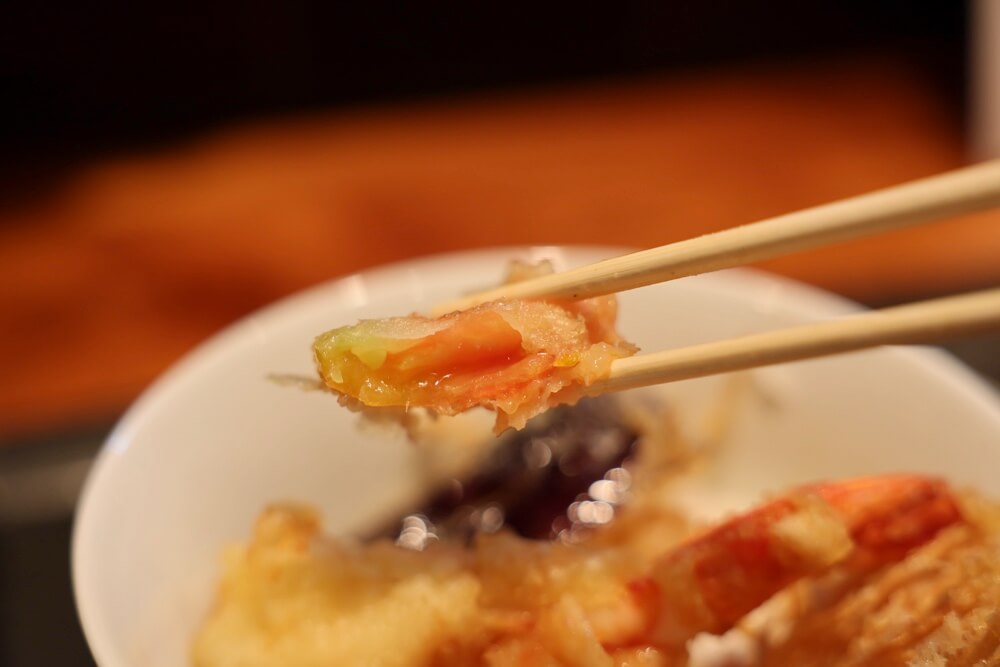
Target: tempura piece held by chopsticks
[{"x": 517, "y": 358}]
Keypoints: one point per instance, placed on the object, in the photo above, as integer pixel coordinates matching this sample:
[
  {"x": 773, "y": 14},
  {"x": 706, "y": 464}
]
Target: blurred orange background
[{"x": 130, "y": 262}]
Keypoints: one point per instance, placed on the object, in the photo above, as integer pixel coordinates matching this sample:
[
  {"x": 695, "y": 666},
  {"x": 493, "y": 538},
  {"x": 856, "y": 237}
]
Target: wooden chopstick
[
  {"x": 965, "y": 190},
  {"x": 921, "y": 322}
]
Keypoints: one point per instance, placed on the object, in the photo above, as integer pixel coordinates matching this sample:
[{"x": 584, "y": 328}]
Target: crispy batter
[
  {"x": 939, "y": 606},
  {"x": 290, "y": 598},
  {"x": 293, "y": 598}
]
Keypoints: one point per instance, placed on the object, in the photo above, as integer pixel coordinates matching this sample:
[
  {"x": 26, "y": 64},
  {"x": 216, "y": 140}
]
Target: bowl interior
[{"x": 212, "y": 442}]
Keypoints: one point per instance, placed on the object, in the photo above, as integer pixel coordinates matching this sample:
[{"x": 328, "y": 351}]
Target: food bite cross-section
[{"x": 515, "y": 357}]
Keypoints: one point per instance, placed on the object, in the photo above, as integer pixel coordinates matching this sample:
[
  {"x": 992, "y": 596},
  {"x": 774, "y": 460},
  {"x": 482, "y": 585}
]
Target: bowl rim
[{"x": 807, "y": 299}]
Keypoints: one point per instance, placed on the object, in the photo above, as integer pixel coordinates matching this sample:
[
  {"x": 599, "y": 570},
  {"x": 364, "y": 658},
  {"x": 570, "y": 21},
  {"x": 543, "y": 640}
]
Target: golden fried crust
[
  {"x": 939, "y": 606},
  {"x": 290, "y": 598}
]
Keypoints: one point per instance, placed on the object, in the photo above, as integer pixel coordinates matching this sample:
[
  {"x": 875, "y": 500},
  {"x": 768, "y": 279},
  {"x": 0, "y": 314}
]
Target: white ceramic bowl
[{"x": 208, "y": 445}]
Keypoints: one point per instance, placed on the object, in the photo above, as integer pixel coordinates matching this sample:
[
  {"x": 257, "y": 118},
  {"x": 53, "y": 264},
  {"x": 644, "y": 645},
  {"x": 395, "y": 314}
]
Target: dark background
[{"x": 89, "y": 79}]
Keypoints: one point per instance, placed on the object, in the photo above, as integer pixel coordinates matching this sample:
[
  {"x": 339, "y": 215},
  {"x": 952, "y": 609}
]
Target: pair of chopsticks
[{"x": 965, "y": 190}]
